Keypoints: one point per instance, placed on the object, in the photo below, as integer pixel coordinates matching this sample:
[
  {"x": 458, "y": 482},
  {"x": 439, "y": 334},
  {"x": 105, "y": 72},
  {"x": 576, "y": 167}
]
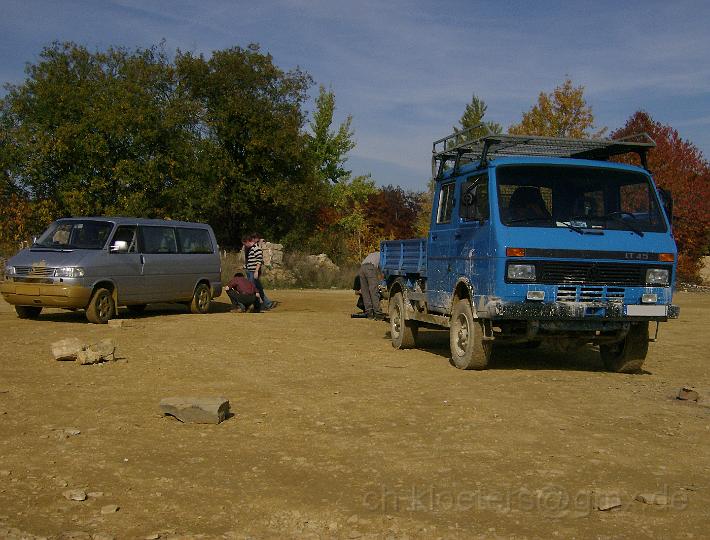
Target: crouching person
[{"x": 243, "y": 294}]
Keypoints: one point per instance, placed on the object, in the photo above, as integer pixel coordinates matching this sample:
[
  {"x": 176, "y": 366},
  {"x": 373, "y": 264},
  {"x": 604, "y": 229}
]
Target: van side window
[
  {"x": 159, "y": 240},
  {"x": 474, "y": 199},
  {"x": 127, "y": 234},
  {"x": 194, "y": 240},
  {"x": 446, "y": 203}
]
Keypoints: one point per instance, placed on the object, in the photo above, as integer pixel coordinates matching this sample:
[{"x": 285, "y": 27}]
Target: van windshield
[
  {"x": 578, "y": 198},
  {"x": 75, "y": 234}
]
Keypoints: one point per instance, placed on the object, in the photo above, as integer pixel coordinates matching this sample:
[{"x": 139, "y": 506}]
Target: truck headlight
[
  {"x": 521, "y": 272},
  {"x": 657, "y": 276},
  {"x": 69, "y": 271}
]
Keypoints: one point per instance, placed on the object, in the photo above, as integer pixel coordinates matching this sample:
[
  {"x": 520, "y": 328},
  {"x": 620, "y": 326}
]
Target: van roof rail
[{"x": 458, "y": 148}]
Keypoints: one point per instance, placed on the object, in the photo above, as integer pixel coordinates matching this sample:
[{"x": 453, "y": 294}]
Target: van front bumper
[
  {"x": 59, "y": 295},
  {"x": 579, "y": 311}
]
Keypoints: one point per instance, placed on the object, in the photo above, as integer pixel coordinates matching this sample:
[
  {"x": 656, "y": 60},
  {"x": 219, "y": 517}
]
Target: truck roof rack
[{"x": 489, "y": 146}]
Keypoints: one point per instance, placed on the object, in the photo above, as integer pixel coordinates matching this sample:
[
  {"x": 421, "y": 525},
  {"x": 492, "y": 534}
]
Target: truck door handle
[
  {"x": 433, "y": 237},
  {"x": 457, "y": 236}
]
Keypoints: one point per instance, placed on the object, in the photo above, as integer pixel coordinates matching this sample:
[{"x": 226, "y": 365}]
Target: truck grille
[
  {"x": 591, "y": 273},
  {"x": 573, "y": 293}
]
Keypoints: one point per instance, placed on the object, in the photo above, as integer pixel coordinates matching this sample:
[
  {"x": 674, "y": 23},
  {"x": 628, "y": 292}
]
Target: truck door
[
  {"x": 472, "y": 239},
  {"x": 440, "y": 258}
]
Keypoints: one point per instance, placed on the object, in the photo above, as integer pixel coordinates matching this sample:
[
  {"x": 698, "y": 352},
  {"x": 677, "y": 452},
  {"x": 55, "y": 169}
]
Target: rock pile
[{"x": 71, "y": 349}]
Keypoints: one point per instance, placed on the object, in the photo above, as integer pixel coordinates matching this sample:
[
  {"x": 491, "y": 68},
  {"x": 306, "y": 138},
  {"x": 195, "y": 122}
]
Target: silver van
[{"x": 98, "y": 264}]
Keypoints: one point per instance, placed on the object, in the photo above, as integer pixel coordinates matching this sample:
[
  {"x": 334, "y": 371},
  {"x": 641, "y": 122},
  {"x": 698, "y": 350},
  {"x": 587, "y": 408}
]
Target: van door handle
[{"x": 142, "y": 260}]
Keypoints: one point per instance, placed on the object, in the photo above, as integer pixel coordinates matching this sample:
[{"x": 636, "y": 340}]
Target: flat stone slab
[
  {"x": 688, "y": 394},
  {"x": 66, "y": 349},
  {"x": 652, "y": 498},
  {"x": 196, "y": 410}
]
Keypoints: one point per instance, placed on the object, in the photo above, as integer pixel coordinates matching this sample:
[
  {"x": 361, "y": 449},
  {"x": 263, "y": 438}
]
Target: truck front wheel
[
  {"x": 627, "y": 355},
  {"x": 404, "y": 332},
  {"x": 468, "y": 348}
]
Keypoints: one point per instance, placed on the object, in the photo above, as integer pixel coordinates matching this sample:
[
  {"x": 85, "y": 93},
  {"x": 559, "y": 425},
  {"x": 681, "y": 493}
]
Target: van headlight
[
  {"x": 69, "y": 271},
  {"x": 657, "y": 276},
  {"x": 10, "y": 271},
  {"x": 521, "y": 272}
]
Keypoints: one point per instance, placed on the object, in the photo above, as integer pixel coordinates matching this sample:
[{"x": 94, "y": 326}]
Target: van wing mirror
[
  {"x": 667, "y": 202},
  {"x": 119, "y": 246}
]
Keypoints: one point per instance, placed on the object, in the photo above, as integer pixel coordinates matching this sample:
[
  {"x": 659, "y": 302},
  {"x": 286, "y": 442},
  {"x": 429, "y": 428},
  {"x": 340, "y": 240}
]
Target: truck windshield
[
  {"x": 577, "y": 197},
  {"x": 75, "y": 234}
]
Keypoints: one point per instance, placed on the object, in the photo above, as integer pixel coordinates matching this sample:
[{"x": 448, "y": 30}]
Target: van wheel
[
  {"x": 627, "y": 355},
  {"x": 201, "y": 299},
  {"x": 28, "y": 312},
  {"x": 468, "y": 348},
  {"x": 404, "y": 332},
  {"x": 101, "y": 307},
  {"x": 137, "y": 308}
]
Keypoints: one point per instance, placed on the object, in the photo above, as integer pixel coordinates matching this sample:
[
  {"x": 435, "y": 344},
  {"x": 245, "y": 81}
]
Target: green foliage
[
  {"x": 562, "y": 113},
  {"x": 473, "y": 116},
  {"x": 329, "y": 147}
]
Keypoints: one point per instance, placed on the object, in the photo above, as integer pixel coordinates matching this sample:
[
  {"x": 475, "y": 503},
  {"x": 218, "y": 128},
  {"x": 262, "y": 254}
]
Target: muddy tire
[
  {"x": 627, "y": 355},
  {"x": 137, "y": 308},
  {"x": 101, "y": 307},
  {"x": 28, "y": 312},
  {"x": 404, "y": 332},
  {"x": 468, "y": 348},
  {"x": 201, "y": 299}
]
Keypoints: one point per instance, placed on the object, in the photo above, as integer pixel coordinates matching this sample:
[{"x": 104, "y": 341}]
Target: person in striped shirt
[{"x": 254, "y": 262}]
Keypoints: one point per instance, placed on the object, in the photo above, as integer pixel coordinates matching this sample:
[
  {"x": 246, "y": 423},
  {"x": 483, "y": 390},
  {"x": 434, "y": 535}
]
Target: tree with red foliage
[
  {"x": 678, "y": 166},
  {"x": 392, "y": 212}
]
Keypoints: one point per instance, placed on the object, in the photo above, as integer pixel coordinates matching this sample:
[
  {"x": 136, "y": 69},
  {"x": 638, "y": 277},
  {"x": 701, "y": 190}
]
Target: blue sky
[{"x": 406, "y": 70}]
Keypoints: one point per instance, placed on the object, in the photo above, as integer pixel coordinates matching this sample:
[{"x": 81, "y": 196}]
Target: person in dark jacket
[{"x": 243, "y": 294}]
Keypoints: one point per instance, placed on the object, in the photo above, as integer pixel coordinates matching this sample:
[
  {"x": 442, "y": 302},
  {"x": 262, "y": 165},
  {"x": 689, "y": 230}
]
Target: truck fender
[{"x": 463, "y": 290}]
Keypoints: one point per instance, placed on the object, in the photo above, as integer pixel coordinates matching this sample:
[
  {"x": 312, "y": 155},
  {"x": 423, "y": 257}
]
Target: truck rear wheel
[
  {"x": 404, "y": 332},
  {"x": 627, "y": 355},
  {"x": 468, "y": 348}
]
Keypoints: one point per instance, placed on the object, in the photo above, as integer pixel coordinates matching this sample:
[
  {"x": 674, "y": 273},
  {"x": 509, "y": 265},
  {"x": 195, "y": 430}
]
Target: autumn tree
[
  {"x": 678, "y": 166},
  {"x": 392, "y": 212},
  {"x": 562, "y": 113}
]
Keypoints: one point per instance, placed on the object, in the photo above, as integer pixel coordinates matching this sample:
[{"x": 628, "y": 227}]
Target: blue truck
[{"x": 537, "y": 240}]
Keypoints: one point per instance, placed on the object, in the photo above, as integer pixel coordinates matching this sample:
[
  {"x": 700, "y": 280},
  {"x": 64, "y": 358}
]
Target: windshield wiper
[
  {"x": 569, "y": 225},
  {"x": 614, "y": 216},
  {"x": 528, "y": 219}
]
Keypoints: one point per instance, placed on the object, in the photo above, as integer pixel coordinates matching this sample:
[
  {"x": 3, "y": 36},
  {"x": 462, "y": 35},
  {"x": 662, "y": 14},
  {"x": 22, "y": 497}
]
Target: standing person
[
  {"x": 254, "y": 261},
  {"x": 369, "y": 277},
  {"x": 243, "y": 294}
]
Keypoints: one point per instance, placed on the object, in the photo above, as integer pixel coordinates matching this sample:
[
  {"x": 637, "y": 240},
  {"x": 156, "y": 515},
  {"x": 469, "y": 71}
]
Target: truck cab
[{"x": 533, "y": 240}]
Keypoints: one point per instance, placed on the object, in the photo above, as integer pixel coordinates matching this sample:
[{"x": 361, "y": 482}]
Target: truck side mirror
[
  {"x": 119, "y": 246},
  {"x": 667, "y": 202},
  {"x": 474, "y": 202}
]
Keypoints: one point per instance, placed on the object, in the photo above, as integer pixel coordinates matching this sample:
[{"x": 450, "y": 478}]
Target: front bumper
[
  {"x": 45, "y": 294},
  {"x": 586, "y": 311}
]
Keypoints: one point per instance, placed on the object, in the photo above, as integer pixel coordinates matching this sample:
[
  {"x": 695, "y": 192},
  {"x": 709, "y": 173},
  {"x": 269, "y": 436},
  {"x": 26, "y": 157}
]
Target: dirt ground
[{"x": 337, "y": 435}]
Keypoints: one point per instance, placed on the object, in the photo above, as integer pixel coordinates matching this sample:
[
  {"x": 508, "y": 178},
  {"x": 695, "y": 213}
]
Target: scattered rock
[
  {"x": 66, "y": 433},
  {"x": 194, "y": 410},
  {"x": 152, "y": 536},
  {"x": 66, "y": 349},
  {"x": 103, "y": 351},
  {"x": 322, "y": 261},
  {"x": 110, "y": 509},
  {"x": 95, "y": 494},
  {"x": 652, "y": 498},
  {"x": 687, "y": 394},
  {"x": 5, "y": 472},
  {"x": 119, "y": 323},
  {"x": 102, "y": 536},
  {"x": 75, "y": 495},
  {"x": 607, "y": 502}
]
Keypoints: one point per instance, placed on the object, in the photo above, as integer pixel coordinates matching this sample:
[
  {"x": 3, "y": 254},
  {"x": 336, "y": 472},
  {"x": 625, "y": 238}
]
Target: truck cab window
[
  {"x": 446, "y": 203},
  {"x": 474, "y": 199}
]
